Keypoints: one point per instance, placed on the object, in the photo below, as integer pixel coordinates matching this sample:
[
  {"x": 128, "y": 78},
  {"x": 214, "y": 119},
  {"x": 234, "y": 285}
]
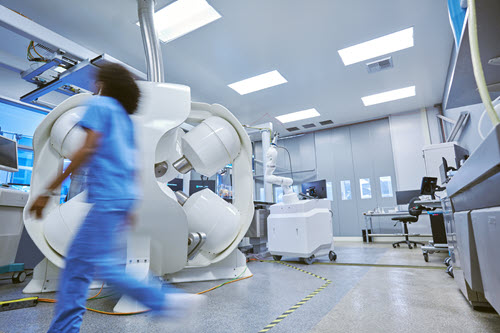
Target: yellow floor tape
[
  {"x": 327, "y": 282},
  {"x": 301, "y": 302}
]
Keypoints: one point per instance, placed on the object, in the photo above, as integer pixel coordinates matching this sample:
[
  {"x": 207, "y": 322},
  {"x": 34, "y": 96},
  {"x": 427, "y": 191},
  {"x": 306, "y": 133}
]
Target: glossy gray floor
[{"x": 361, "y": 298}]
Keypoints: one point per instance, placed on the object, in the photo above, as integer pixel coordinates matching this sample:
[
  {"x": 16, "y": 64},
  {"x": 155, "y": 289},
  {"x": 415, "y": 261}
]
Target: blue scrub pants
[{"x": 95, "y": 253}]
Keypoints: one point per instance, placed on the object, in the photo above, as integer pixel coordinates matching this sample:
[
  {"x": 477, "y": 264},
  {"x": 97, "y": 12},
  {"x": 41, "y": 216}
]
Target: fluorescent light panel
[
  {"x": 377, "y": 47},
  {"x": 389, "y": 96},
  {"x": 183, "y": 17},
  {"x": 300, "y": 115},
  {"x": 259, "y": 82}
]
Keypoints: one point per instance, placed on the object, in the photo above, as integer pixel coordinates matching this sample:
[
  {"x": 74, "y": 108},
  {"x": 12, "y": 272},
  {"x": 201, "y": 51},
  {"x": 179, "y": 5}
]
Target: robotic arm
[{"x": 288, "y": 195}]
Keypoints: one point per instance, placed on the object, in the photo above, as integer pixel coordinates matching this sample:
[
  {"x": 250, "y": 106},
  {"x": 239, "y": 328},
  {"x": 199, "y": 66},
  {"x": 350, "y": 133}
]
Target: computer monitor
[
  {"x": 315, "y": 189},
  {"x": 404, "y": 197},
  {"x": 8, "y": 155},
  {"x": 429, "y": 185},
  {"x": 176, "y": 184},
  {"x": 198, "y": 185}
]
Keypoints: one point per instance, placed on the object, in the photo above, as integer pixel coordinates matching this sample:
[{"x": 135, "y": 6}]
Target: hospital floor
[{"x": 370, "y": 288}]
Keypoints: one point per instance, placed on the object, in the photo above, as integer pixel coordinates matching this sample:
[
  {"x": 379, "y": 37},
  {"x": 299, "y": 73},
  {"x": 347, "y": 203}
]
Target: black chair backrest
[{"x": 413, "y": 208}]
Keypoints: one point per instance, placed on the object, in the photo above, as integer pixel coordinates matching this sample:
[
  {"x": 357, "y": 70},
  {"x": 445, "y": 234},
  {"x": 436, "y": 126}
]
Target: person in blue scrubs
[{"x": 109, "y": 153}]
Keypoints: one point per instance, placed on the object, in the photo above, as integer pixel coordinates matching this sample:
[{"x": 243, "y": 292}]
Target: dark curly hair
[{"x": 117, "y": 82}]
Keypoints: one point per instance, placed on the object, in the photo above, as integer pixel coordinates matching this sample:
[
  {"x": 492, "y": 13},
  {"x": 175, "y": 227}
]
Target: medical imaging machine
[{"x": 178, "y": 237}]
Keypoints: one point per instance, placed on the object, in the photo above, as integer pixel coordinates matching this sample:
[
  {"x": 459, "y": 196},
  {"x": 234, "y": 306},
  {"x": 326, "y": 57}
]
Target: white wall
[
  {"x": 408, "y": 138},
  {"x": 409, "y": 133}
]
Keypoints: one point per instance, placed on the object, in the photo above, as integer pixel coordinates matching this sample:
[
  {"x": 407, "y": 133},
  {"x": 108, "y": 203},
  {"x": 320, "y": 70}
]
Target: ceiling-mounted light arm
[{"x": 154, "y": 60}]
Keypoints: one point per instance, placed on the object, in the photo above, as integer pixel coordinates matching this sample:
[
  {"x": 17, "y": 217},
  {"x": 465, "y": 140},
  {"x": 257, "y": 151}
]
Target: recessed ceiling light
[
  {"x": 182, "y": 17},
  {"x": 300, "y": 115},
  {"x": 259, "y": 82},
  {"x": 377, "y": 47},
  {"x": 389, "y": 96}
]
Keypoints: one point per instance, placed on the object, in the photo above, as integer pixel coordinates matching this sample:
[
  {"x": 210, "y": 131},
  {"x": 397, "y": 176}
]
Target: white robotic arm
[{"x": 288, "y": 195}]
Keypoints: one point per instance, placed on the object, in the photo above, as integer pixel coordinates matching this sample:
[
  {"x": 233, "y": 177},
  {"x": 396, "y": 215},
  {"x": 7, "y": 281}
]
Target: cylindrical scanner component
[
  {"x": 182, "y": 165},
  {"x": 210, "y": 146},
  {"x": 210, "y": 214},
  {"x": 161, "y": 169},
  {"x": 181, "y": 197}
]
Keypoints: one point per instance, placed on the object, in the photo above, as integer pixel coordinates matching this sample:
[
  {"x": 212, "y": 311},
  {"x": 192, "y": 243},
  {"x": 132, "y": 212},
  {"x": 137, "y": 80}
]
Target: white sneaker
[{"x": 183, "y": 305}]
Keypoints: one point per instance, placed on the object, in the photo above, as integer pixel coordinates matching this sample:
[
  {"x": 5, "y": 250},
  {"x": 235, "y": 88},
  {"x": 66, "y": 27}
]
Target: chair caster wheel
[
  {"x": 426, "y": 257},
  {"x": 394, "y": 245},
  {"x": 332, "y": 256}
]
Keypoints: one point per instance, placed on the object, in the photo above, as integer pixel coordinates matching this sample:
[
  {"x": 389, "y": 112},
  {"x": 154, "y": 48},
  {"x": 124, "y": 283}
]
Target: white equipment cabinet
[
  {"x": 433, "y": 157},
  {"x": 301, "y": 229},
  {"x": 12, "y": 203}
]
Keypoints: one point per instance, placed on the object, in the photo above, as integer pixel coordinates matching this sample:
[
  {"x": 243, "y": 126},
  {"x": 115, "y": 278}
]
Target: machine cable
[
  {"x": 289, "y": 159},
  {"x": 95, "y": 297}
]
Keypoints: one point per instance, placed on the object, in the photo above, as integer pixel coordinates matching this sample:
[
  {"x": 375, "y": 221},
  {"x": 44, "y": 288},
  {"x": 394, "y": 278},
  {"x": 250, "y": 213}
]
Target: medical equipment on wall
[
  {"x": 472, "y": 211},
  {"x": 180, "y": 237},
  {"x": 297, "y": 228}
]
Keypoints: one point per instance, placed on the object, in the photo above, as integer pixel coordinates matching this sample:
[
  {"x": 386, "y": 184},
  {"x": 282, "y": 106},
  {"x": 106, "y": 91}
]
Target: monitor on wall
[{"x": 8, "y": 155}]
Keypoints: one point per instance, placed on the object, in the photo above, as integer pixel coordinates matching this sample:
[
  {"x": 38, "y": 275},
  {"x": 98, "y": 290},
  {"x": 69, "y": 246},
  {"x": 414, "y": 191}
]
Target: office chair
[{"x": 414, "y": 210}]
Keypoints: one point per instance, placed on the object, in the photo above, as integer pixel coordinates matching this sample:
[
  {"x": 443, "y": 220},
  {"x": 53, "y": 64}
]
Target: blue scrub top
[{"x": 113, "y": 166}]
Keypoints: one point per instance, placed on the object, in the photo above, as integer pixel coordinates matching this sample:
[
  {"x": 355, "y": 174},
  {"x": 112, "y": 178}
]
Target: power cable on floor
[{"x": 236, "y": 279}]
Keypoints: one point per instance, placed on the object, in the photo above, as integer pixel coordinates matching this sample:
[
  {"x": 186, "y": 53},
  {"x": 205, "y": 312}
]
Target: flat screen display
[
  {"x": 176, "y": 184},
  {"x": 8, "y": 154},
  {"x": 198, "y": 185},
  {"x": 315, "y": 189},
  {"x": 404, "y": 197}
]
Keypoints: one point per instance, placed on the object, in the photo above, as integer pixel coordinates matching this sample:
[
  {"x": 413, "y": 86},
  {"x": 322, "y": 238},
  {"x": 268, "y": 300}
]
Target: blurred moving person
[{"x": 109, "y": 153}]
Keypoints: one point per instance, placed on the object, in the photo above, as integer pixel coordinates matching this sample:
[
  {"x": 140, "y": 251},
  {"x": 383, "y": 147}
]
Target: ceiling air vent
[
  {"x": 379, "y": 65},
  {"x": 292, "y": 129},
  {"x": 309, "y": 125},
  {"x": 326, "y": 122}
]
